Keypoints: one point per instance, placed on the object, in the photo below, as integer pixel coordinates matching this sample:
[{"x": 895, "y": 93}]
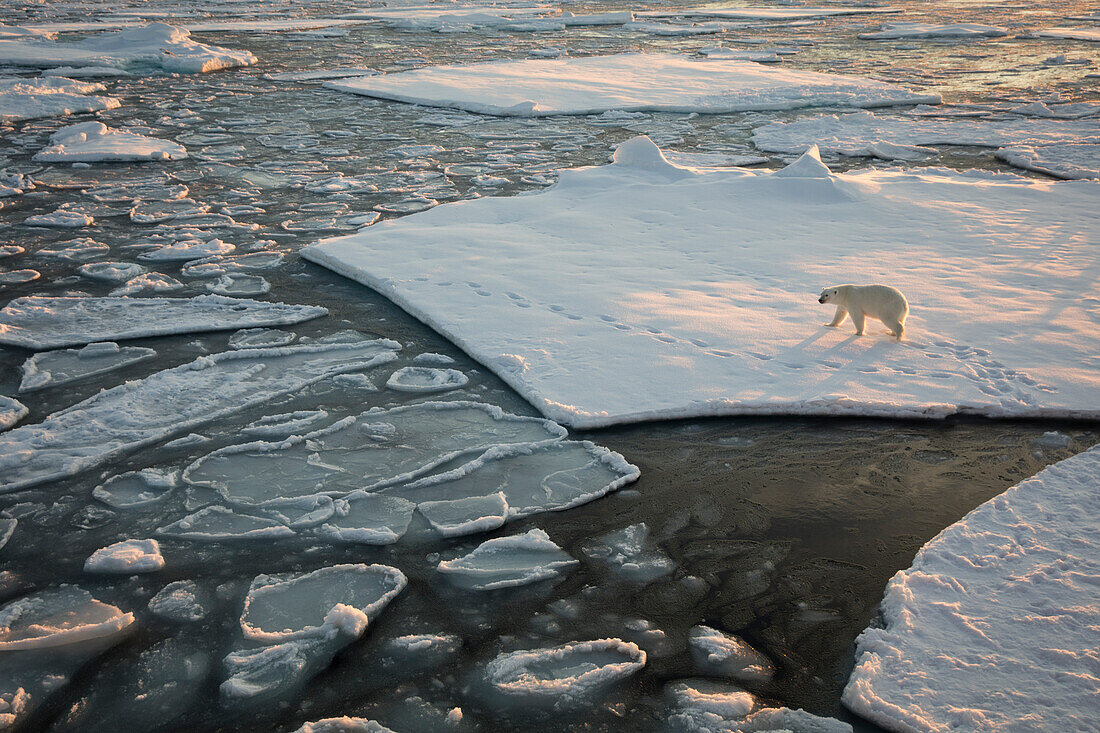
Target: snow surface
[
  {"x": 508, "y": 562},
  {"x": 627, "y": 82},
  {"x": 11, "y": 411},
  {"x": 137, "y": 413},
  {"x": 891, "y": 31},
  {"x": 126, "y": 557},
  {"x": 156, "y": 45},
  {"x": 40, "y": 322},
  {"x": 55, "y": 368},
  {"x": 1071, "y": 161},
  {"x": 28, "y": 99},
  {"x": 997, "y": 612},
  {"x": 678, "y": 292},
  {"x": 94, "y": 142}
]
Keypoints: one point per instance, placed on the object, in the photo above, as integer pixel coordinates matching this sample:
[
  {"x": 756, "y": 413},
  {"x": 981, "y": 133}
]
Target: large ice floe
[
  {"x": 627, "y": 82},
  {"x": 41, "y": 322},
  {"x": 94, "y": 142},
  {"x": 156, "y": 45},
  {"x": 993, "y": 627},
  {"x": 56, "y": 368},
  {"x": 137, "y": 413},
  {"x": 677, "y": 292},
  {"x": 27, "y": 99}
]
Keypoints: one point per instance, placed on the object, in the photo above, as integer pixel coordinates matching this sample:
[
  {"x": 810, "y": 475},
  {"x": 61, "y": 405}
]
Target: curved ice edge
[
  {"x": 555, "y": 431},
  {"x": 507, "y": 675}
]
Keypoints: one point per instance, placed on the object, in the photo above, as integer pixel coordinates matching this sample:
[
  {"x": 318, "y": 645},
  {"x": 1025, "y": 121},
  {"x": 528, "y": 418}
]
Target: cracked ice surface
[
  {"x": 55, "y": 368},
  {"x": 40, "y": 322},
  {"x": 627, "y": 82},
  {"x": 144, "y": 411},
  {"x": 1002, "y": 598},
  {"x": 729, "y": 322}
]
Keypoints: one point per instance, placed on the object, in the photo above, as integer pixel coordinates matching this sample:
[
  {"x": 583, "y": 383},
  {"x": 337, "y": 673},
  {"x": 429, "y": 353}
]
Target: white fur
[{"x": 880, "y": 302}]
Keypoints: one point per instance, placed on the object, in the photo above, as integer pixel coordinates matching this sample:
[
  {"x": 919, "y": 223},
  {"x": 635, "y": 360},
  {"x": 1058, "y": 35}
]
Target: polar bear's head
[{"x": 829, "y": 294}]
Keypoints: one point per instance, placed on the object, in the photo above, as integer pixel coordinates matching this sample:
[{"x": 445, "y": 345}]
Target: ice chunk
[
  {"x": 188, "y": 249},
  {"x": 152, "y": 282},
  {"x": 218, "y": 524},
  {"x": 285, "y": 424},
  {"x": 1074, "y": 34},
  {"x": 181, "y": 601},
  {"x": 1003, "y": 597},
  {"x": 136, "y": 488},
  {"x": 373, "y": 449},
  {"x": 892, "y": 31},
  {"x": 1061, "y": 160},
  {"x": 55, "y": 368},
  {"x": 126, "y": 557},
  {"x": 94, "y": 142},
  {"x": 11, "y": 411},
  {"x": 455, "y": 517},
  {"x": 39, "y": 322},
  {"x": 507, "y": 562},
  {"x": 17, "y": 277},
  {"x": 322, "y": 74},
  {"x": 144, "y": 411},
  {"x": 112, "y": 272},
  {"x": 716, "y": 698},
  {"x": 156, "y": 45},
  {"x": 629, "y": 82},
  {"x": 239, "y": 285},
  {"x": 369, "y": 519},
  {"x": 426, "y": 379},
  {"x": 27, "y": 99},
  {"x": 344, "y": 724},
  {"x": 258, "y": 338},
  {"x": 566, "y": 676},
  {"x": 726, "y": 655},
  {"x": 7, "y": 529},
  {"x": 627, "y": 552},
  {"x": 777, "y": 13},
  {"x": 60, "y": 219},
  {"x": 433, "y": 359}
]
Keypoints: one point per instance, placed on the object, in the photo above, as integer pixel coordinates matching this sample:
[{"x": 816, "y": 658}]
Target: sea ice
[
  {"x": 776, "y": 13},
  {"x": 344, "y": 724},
  {"x": 181, "y": 601},
  {"x": 674, "y": 291},
  {"x": 370, "y": 450},
  {"x": 627, "y": 552},
  {"x": 456, "y": 517},
  {"x": 368, "y": 519},
  {"x": 260, "y": 338},
  {"x": 111, "y": 272},
  {"x": 1073, "y": 34},
  {"x": 507, "y": 562},
  {"x": 1000, "y": 599},
  {"x": 39, "y": 322},
  {"x": 150, "y": 282},
  {"x": 448, "y": 18},
  {"x": 156, "y": 45},
  {"x": 239, "y": 285},
  {"x": 7, "y": 529},
  {"x": 629, "y": 82},
  {"x": 11, "y": 411},
  {"x": 562, "y": 677},
  {"x": 60, "y": 219},
  {"x": 55, "y": 368},
  {"x": 28, "y": 99},
  {"x": 16, "y": 277},
  {"x": 426, "y": 379},
  {"x": 136, "y": 488},
  {"x": 284, "y": 425},
  {"x": 186, "y": 250},
  {"x": 891, "y": 31},
  {"x": 94, "y": 142},
  {"x": 219, "y": 524},
  {"x": 126, "y": 557},
  {"x": 726, "y": 655},
  {"x": 124, "y": 418},
  {"x": 714, "y": 698},
  {"x": 1062, "y": 160}
]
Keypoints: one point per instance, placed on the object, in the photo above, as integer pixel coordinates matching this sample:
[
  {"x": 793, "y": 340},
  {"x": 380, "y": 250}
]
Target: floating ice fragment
[
  {"x": 239, "y": 285},
  {"x": 321, "y": 74},
  {"x": 726, "y": 655},
  {"x": 507, "y": 562},
  {"x": 11, "y": 411},
  {"x": 112, "y": 272},
  {"x": 9, "y": 250},
  {"x": 55, "y": 368},
  {"x": 189, "y": 249},
  {"x": 26, "y": 99},
  {"x": 368, "y": 519},
  {"x": 144, "y": 411},
  {"x": 775, "y": 13},
  {"x": 627, "y": 552},
  {"x": 7, "y": 529},
  {"x": 16, "y": 277},
  {"x": 1061, "y": 160},
  {"x": 94, "y": 142},
  {"x": 284, "y": 425},
  {"x": 344, "y": 724},
  {"x": 891, "y": 31},
  {"x": 433, "y": 359},
  {"x": 40, "y": 322},
  {"x": 456, "y": 517},
  {"x": 1074, "y": 34},
  {"x": 150, "y": 282},
  {"x": 60, "y": 219},
  {"x": 426, "y": 379},
  {"x": 126, "y": 557},
  {"x": 715, "y": 698},
  {"x": 219, "y": 524},
  {"x": 136, "y": 488},
  {"x": 260, "y": 338},
  {"x": 181, "y": 601}
]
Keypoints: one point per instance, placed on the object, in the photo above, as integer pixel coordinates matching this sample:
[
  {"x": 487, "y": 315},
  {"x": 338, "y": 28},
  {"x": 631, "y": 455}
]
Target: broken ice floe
[
  {"x": 1003, "y": 597},
  {"x": 90, "y": 142},
  {"x": 127, "y": 557},
  {"x": 260, "y": 338},
  {"x": 144, "y": 411},
  {"x": 1062, "y": 160},
  {"x": 562, "y": 677},
  {"x": 456, "y": 517},
  {"x": 726, "y": 655},
  {"x": 507, "y": 562},
  {"x": 111, "y": 272},
  {"x": 150, "y": 282},
  {"x": 239, "y": 285},
  {"x": 55, "y": 368},
  {"x": 627, "y": 551},
  {"x": 136, "y": 488},
  {"x": 181, "y": 601},
  {"x": 156, "y": 45},
  {"x": 11, "y": 411},
  {"x": 775, "y": 13},
  {"x": 27, "y": 99},
  {"x": 367, "y": 519},
  {"x": 220, "y": 524},
  {"x": 285, "y": 424},
  {"x": 187, "y": 250},
  {"x": 40, "y": 323},
  {"x": 892, "y": 31},
  {"x": 60, "y": 219},
  {"x": 426, "y": 379},
  {"x": 630, "y": 82},
  {"x": 343, "y": 724}
]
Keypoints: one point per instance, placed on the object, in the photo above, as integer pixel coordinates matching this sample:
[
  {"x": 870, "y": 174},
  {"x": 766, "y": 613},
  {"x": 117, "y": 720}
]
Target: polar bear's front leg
[
  {"x": 841, "y": 314},
  {"x": 858, "y": 320}
]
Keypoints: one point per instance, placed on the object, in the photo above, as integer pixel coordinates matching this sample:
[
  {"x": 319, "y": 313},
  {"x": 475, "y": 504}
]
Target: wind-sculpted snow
[
  {"x": 55, "y": 368},
  {"x": 134, "y": 414},
  {"x": 627, "y": 82},
  {"x": 28, "y": 99},
  {"x": 678, "y": 292},
  {"x": 998, "y": 602},
  {"x": 507, "y": 562},
  {"x": 40, "y": 322},
  {"x": 157, "y": 45},
  {"x": 94, "y": 142}
]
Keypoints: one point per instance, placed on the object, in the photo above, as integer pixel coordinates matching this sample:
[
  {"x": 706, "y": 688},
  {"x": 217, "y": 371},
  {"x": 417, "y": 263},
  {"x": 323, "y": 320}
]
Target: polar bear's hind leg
[{"x": 897, "y": 328}]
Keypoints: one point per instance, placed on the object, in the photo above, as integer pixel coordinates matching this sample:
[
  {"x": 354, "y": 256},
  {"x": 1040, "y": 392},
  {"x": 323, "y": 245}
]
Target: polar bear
[{"x": 881, "y": 302}]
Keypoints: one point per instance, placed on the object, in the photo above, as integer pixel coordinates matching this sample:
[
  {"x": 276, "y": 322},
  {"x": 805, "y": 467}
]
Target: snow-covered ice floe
[
  {"x": 11, "y": 411},
  {"x": 1073, "y": 34},
  {"x": 507, "y": 562},
  {"x": 137, "y": 413},
  {"x": 704, "y": 706},
  {"x": 725, "y": 655},
  {"x": 94, "y": 142},
  {"x": 126, "y": 557},
  {"x": 343, "y": 724},
  {"x": 1071, "y": 161},
  {"x": 997, "y": 603},
  {"x": 892, "y": 31},
  {"x": 28, "y": 99},
  {"x": 562, "y": 677},
  {"x": 727, "y": 322},
  {"x": 426, "y": 379},
  {"x": 181, "y": 601},
  {"x": 55, "y": 368},
  {"x": 156, "y": 45},
  {"x": 41, "y": 322},
  {"x": 628, "y": 82}
]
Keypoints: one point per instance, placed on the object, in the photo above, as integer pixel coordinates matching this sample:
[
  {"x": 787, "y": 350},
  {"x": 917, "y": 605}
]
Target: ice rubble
[
  {"x": 627, "y": 552},
  {"x": 426, "y": 379},
  {"x": 562, "y": 677},
  {"x": 1071, "y": 161},
  {"x": 39, "y": 322},
  {"x": 1002, "y": 598},
  {"x": 28, "y": 99},
  {"x": 507, "y": 562},
  {"x": 137, "y": 413},
  {"x": 156, "y": 45},
  {"x": 628, "y": 82},
  {"x": 181, "y": 601},
  {"x": 55, "y": 368},
  {"x": 136, "y": 488},
  {"x": 92, "y": 142},
  {"x": 344, "y": 724},
  {"x": 708, "y": 306},
  {"x": 60, "y": 219},
  {"x": 725, "y": 655},
  {"x": 891, "y": 31},
  {"x": 11, "y": 411},
  {"x": 126, "y": 557}
]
